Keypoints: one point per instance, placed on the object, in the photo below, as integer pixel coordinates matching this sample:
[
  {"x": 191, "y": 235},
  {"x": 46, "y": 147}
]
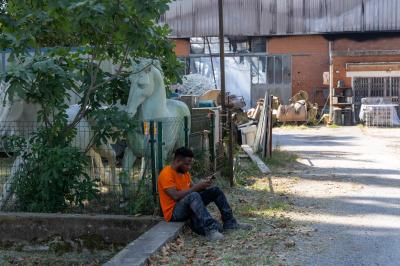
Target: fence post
[
  {"x": 230, "y": 148},
  {"x": 186, "y": 129},
  {"x": 153, "y": 159},
  {"x": 212, "y": 140},
  {"x": 160, "y": 144}
]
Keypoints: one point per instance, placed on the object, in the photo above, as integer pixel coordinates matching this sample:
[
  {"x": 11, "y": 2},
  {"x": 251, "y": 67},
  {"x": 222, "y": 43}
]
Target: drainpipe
[{"x": 331, "y": 91}]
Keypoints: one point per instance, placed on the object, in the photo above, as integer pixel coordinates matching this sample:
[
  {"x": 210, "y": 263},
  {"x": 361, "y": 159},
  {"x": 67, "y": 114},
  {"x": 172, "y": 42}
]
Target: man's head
[{"x": 183, "y": 160}]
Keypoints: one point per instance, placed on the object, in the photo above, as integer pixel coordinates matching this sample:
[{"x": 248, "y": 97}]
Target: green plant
[
  {"x": 80, "y": 37},
  {"x": 202, "y": 164},
  {"x": 143, "y": 201},
  {"x": 52, "y": 177}
]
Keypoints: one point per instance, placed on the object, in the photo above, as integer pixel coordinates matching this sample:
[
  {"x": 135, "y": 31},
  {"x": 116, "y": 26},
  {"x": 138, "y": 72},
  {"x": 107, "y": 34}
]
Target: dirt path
[{"x": 347, "y": 193}]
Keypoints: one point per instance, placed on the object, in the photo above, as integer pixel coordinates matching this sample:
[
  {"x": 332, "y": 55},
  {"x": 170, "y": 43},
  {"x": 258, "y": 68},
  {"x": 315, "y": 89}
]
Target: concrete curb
[{"x": 138, "y": 252}]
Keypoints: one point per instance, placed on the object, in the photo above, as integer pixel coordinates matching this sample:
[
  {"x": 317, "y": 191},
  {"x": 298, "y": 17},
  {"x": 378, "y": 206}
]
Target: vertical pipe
[
  {"x": 270, "y": 127},
  {"x": 212, "y": 63},
  {"x": 230, "y": 149},
  {"x": 331, "y": 90},
  {"x": 153, "y": 159},
  {"x": 186, "y": 129},
  {"x": 222, "y": 52},
  {"x": 160, "y": 144}
]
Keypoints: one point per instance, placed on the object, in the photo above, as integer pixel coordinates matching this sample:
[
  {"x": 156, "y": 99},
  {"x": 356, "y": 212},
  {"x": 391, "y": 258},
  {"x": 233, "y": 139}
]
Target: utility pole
[
  {"x": 331, "y": 90},
  {"x": 226, "y": 115},
  {"x": 222, "y": 53}
]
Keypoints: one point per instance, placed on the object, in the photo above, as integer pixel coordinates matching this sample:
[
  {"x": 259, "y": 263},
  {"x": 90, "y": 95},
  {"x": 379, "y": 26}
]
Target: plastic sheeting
[{"x": 379, "y": 111}]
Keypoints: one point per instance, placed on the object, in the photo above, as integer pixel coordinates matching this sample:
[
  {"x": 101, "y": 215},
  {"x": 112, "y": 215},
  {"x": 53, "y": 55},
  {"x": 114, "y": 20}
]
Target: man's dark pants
[{"x": 192, "y": 208}]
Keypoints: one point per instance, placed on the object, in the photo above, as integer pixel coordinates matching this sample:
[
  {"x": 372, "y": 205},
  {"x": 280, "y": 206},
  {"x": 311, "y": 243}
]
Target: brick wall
[
  {"x": 339, "y": 66},
  {"x": 310, "y": 59},
  {"x": 182, "y": 47},
  {"x": 383, "y": 43}
]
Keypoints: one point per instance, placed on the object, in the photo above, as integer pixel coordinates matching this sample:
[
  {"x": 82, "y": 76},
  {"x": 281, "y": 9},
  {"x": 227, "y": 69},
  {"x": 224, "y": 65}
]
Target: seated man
[{"x": 181, "y": 200}]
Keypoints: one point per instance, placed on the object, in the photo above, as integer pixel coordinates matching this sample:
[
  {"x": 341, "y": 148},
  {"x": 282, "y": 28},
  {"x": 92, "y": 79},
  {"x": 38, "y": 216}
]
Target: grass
[
  {"x": 292, "y": 126},
  {"x": 280, "y": 159},
  {"x": 333, "y": 126}
]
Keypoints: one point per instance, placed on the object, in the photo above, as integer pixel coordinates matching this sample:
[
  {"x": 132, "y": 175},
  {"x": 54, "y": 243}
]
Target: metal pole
[
  {"x": 222, "y": 53},
  {"x": 160, "y": 144},
  {"x": 270, "y": 127},
  {"x": 186, "y": 129},
  {"x": 212, "y": 140},
  {"x": 230, "y": 149},
  {"x": 153, "y": 159},
  {"x": 331, "y": 91}
]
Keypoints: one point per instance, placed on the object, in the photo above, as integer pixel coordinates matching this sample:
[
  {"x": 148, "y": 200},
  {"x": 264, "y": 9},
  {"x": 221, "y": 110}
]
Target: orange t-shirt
[{"x": 169, "y": 178}]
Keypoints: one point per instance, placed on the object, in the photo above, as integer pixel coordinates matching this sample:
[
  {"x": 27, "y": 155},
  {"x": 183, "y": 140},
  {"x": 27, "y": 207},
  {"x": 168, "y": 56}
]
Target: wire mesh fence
[
  {"x": 380, "y": 116},
  {"x": 126, "y": 171}
]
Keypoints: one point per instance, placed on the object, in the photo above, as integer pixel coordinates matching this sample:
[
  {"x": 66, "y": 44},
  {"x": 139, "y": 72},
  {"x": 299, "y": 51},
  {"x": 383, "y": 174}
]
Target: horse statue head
[{"x": 146, "y": 79}]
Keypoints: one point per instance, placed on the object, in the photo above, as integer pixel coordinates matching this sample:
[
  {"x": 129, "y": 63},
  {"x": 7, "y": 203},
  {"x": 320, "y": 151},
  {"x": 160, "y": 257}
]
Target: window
[
  {"x": 270, "y": 69},
  {"x": 258, "y": 70},
  {"x": 286, "y": 65},
  {"x": 279, "y": 69}
]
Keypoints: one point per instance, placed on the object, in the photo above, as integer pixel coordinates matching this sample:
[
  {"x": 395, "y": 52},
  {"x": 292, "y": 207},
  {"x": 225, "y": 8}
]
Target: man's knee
[
  {"x": 216, "y": 191},
  {"x": 193, "y": 196}
]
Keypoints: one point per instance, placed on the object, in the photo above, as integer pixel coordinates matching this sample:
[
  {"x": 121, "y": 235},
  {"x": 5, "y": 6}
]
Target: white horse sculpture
[
  {"x": 19, "y": 118},
  {"x": 148, "y": 102}
]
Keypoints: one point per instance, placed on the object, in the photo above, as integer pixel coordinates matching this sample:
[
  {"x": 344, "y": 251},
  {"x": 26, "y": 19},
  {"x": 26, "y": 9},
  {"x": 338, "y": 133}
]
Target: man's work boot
[{"x": 214, "y": 235}]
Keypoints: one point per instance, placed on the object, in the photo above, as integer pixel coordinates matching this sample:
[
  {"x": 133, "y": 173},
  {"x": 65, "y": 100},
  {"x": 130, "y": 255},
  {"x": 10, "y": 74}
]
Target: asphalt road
[{"x": 348, "y": 193}]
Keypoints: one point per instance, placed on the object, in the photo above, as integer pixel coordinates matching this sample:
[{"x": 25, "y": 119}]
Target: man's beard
[{"x": 180, "y": 170}]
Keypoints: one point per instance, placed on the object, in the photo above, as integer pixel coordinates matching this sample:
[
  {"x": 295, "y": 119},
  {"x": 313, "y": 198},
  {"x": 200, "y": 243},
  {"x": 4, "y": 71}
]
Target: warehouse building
[{"x": 292, "y": 45}]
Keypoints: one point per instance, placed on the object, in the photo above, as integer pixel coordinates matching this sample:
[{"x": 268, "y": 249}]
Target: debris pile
[{"x": 300, "y": 109}]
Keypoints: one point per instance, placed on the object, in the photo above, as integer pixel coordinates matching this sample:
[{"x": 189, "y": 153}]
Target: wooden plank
[
  {"x": 264, "y": 139},
  {"x": 260, "y": 126},
  {"x": 260, "y": 164}
]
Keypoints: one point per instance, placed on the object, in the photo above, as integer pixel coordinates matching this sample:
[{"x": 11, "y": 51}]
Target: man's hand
[
  {"x": 202, "y": 185},
  {"x": 179, "y": 194}
]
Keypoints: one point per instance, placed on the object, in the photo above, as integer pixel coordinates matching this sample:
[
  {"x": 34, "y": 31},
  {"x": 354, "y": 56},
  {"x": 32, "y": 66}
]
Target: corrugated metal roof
[{"x": 188, "y": 18}]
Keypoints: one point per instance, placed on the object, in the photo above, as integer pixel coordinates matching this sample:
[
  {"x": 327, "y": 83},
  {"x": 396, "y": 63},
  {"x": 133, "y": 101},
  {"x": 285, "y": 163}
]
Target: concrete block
[{"x": 138, "y": 252}]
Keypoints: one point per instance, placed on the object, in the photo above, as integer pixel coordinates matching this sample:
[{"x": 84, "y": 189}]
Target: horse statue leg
[
  {"x": 127, "y": 165},
  {"x": 7, "y": 187},
  {"x": 106, "y": 151},
  {"x": 143, "y": 168},
  {"x": 97, "y": 163}
]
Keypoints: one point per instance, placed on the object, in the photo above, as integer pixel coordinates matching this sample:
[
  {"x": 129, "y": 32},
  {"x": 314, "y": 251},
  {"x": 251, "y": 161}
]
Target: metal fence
[{"x": 153, "y": 144}]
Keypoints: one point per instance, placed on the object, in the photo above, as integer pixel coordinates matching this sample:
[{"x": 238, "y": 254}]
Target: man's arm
[{"x": 177, "y": 195}]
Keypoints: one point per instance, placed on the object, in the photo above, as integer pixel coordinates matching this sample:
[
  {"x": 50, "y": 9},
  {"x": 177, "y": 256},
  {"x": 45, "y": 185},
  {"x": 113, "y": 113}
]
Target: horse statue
[{"x": 147, "y": 101}]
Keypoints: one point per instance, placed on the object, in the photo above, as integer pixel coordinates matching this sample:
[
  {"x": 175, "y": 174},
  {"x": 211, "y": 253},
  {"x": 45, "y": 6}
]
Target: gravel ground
[{"x": 347, "y": 195}]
